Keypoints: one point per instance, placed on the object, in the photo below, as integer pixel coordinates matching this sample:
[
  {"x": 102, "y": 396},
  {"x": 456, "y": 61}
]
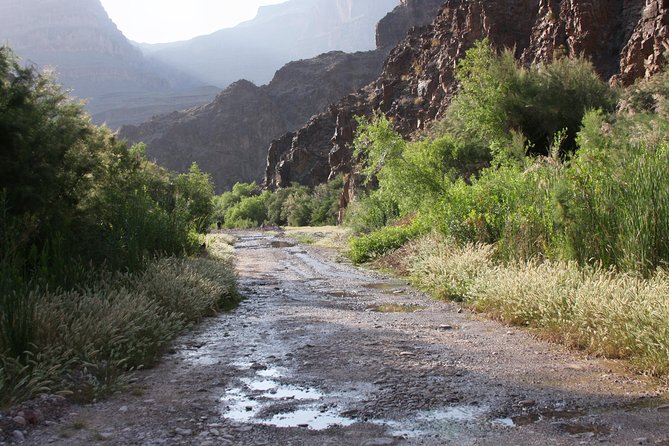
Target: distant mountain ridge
[
  {"x": 94, "y": 59},
  {"x": 294, "y": 30},
  {"x": 228, "y": 137}
]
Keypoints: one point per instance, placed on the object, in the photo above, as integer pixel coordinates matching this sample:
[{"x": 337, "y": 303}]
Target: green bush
[
  {"x": 76, "y": 204},
  {"x": 371, "y": 246},
  {"x": 498, "y": 95},
  {"x": 296, "y": 205},
  {"x": 250, "y": 212}
]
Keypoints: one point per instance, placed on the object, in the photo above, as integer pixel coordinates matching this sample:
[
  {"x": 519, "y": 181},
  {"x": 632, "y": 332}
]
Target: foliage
[
  {"x": 564, "y": 302},
  {"x": 195, "y": 194},
  {"x": 498, "y": 95},
  {"x": 119, "y": 322},
  {"x": 227, "y": 200},
  {"x": 382, "y": 241},
  {"x": 561, "y": 226},
  {"x": 246, "y": 207},
  {"x": 76, "y": 205}
]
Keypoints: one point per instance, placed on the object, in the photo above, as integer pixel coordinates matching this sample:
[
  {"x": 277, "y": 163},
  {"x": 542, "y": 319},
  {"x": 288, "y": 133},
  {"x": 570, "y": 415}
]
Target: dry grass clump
[
  {"x": 606, "y": 313},
  {"x": 449, "y": 270},
  {"x": 220, "y": 246},
  {"x": 83, "y": 341}
]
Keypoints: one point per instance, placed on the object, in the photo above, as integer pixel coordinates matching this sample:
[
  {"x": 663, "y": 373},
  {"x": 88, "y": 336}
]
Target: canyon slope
[
  {"x": 625, "y": 39},
  {"x": 294, "y": 30},
  {"x": 229, "y": 137},
  {"x": 93, "y": 58}
]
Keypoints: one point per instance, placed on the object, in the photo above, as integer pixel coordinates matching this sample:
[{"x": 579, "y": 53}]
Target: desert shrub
[
  {"x": 325, "y": 200},
  {"x": 370, "y": 212},
  {"x": 296, "y": 210},
  {"x": 224, "y": 202},
  {"x": 447, "y": 269},
  {"x": 249, "y": 212},
  {"x": 195, "y": 194},
  {"x": 368, "y": 247},
  {"x": 615, "y": 208},
  {"x": 76, "y": 206},
  {"x": 296, "y": 205},
  {"x": 581, "y": 307},
  {"x": 498, "y": 95}
]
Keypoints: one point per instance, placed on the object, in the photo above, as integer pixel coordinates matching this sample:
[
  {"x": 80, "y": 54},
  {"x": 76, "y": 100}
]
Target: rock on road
[{"x": 323, "y": 353}]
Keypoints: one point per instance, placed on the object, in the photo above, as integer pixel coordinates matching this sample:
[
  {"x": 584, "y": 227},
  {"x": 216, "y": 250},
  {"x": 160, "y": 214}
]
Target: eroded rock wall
[{"x": 625, "y": 39}]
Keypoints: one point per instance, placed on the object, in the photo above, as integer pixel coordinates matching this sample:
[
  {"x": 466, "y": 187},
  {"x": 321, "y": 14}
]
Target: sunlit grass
[{"x": 606, "y": 313}]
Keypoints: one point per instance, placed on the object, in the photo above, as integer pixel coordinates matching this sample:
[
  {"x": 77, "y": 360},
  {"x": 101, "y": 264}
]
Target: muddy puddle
[
  {"x": 391, "y": 286},
  {"x": 265, "y": 399},
  {"x": 281, "y": 244},
  {"x": 396, "y": 308},
  {"x": 447, "y": 423}
]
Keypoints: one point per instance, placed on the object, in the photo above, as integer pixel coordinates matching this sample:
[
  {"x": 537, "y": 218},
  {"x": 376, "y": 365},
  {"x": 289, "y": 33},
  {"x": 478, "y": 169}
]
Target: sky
[{"x": 160, "y": 21}]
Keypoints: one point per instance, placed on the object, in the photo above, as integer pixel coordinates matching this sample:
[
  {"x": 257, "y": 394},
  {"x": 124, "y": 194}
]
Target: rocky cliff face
[
  {"x": 625, "y": 39},
  {"x": 392, "y": 29},
  {"x": 229, "y": 137},
  {"x": 92, "y": 57}
]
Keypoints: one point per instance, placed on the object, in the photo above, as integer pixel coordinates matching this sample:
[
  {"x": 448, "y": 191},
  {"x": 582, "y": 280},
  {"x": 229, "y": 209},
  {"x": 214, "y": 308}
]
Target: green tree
[{"x": 195, "y": 194}]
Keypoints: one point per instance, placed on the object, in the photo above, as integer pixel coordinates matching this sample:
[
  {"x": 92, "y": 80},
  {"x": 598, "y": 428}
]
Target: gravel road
[{"x": 323, "y": 353}]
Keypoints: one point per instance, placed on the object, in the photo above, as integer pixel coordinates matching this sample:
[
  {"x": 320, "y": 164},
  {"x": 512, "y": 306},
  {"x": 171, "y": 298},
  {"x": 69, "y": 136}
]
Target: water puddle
[
  {"x": 282, "y": 244},
  {"x": 527, "y": 419},
  {"x": 448, "y": 422},
  {"x": 311, "y": 418},
  {"x": 397, "y": 308},
  {"x": 386, "y": 286},
  {"x": 576, "y": 429},
  {"x": 267, "y": 401},
  {"x": 340, "y": 293}
]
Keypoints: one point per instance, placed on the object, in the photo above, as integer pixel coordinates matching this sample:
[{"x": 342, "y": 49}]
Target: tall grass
[
  {"x": 84, "y": 340},
  {"x": 616, "y": 208},
  {"x": 604, "y": 312}
]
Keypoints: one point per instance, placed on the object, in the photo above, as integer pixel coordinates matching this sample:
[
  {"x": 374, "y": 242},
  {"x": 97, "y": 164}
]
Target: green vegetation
[
  {"x": 94, "y": 278},
  {"x": 246, "y": 207},
  {"x": 541, "y": 198}
]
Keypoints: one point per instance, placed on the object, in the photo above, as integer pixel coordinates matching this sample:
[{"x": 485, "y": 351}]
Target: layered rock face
[
  {"x": 229, "y": 137},
  {"x": 625, "y": 39},
  {"x": 392, "y": 29},
  {"x": 93, "y": 58}
]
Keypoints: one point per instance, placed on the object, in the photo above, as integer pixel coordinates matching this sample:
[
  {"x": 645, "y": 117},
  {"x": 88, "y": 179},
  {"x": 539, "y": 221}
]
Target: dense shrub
[
  {"x": 76, "y": 206},
  {"x": 382, "y": 241},
  {"x": 246, "y": 207},
  {"x": 498, "y": 95}
]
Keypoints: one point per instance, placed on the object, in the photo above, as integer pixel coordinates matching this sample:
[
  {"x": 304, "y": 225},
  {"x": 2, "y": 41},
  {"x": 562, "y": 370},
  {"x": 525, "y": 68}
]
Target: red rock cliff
[{"x": 625, "y": 39}]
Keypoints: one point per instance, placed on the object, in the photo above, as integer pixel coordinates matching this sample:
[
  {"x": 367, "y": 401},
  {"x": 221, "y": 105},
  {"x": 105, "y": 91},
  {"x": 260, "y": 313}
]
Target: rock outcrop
[
  {"x": 228, "y": 138},
  {"x": 625, "y": 39},
  {"x": 93, "y": 58},
  {"x": 392, "y": 29}
]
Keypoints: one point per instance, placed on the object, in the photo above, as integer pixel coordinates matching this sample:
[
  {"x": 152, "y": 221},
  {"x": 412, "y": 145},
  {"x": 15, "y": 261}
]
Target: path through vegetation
[{"x": 322, "y": 353}]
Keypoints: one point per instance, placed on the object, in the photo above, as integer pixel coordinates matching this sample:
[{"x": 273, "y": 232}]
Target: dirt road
[{"x": 322, "y": 353}]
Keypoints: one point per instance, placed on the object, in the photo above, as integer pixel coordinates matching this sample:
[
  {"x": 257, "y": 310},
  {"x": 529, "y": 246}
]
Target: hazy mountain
[
  {"x": 93, "y": 58},
  {"x": 229, "y": 137},
  {"x": 297, "y": 29}
]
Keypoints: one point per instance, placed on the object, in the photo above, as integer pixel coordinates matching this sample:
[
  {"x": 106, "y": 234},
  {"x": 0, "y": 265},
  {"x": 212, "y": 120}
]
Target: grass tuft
[{"x": 604, "y": 312}]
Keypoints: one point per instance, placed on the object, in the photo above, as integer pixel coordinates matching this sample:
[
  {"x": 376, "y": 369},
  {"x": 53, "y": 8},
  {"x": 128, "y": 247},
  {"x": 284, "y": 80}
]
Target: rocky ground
[{"x": 322, "y": 353}]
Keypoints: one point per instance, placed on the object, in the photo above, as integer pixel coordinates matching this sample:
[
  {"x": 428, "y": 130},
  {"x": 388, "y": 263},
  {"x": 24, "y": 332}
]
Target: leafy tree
[{"x": 195, "y": 194}]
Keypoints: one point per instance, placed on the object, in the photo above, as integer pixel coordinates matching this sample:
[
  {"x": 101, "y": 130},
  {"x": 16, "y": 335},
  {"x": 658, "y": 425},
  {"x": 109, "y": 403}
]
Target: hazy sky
[{"x": 157, "y": 21}]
